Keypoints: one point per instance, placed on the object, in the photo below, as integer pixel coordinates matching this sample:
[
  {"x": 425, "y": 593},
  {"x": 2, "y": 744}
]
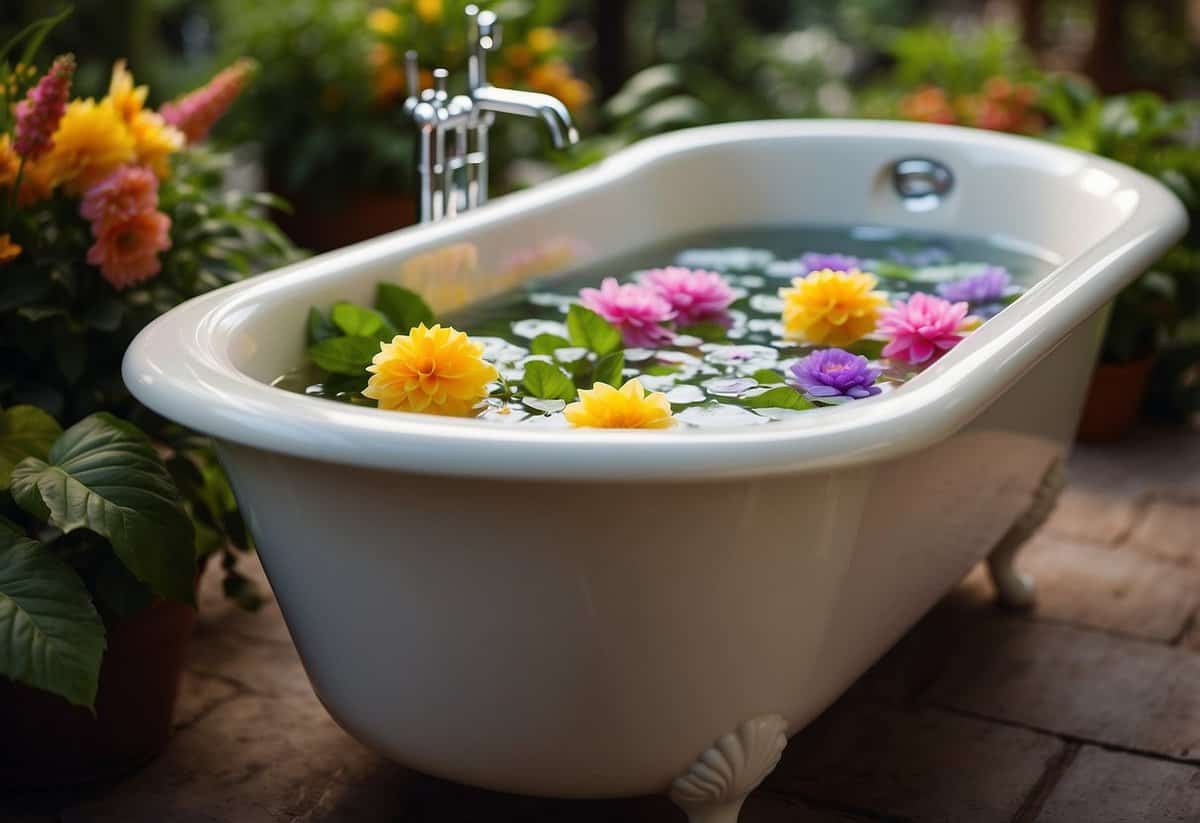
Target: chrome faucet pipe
[{"x": 452, "y": 132}]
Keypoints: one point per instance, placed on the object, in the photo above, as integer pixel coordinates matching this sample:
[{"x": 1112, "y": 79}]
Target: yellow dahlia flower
[
  {"x": 92, "y": 140},
  {"x": 154, "y": 139},
  {"x": 831, "y": 308},
  {"x": 384, "y": 21},
  {"x": 430, "y": 11},
  {"x": 436, "y": 371},
  {"x": 629, "y": 407}
]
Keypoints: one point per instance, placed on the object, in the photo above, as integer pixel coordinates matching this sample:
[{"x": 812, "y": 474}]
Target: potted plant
[
  {"x": 328, "y": 116},
  {"x": 1150, "y": 346},
  {"x": 111, "y": 213}
]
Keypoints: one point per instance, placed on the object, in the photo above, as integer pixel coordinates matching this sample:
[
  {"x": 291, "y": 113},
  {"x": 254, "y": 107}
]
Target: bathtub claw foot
[
  {"x": 1014, "y": 589},
  {"x": 713, "y": 789}
]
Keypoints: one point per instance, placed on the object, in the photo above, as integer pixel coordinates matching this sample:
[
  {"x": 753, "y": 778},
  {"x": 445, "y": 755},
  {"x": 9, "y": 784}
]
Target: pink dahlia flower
[
  {"x": 127, "y": 191},
  {"x": 923, "y": 328},
  {"x": 636, "y": 310},
  {"x": 694, "y": 294},
  {"x": 127, "y": 250},
  {"x": 39, "y": 113},
  {"x": 197, "y": 111}
]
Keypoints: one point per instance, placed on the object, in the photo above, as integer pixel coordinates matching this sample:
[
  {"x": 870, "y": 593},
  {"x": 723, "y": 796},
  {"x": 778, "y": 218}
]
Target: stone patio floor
[{"x": 1086, "y": 710}]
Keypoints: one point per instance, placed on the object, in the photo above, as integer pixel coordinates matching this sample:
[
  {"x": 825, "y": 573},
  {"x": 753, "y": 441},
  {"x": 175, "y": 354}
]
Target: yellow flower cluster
[
  {"x": 831, "y": 308},
  {"x": 532, "y": 63},
  {"x": 629, "y": 407},
  {"x": 432, "y": 370},
  {"x": 94, "y": 138}
]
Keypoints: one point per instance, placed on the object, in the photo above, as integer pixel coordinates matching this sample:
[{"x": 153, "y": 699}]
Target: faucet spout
[{"x": 550, "y": 110}]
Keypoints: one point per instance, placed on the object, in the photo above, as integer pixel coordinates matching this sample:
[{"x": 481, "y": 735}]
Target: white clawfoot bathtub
[{"x": 652, "y": 611}]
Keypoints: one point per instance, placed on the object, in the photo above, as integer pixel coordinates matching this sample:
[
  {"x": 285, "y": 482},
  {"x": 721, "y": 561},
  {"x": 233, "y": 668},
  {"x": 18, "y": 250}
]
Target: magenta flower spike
[{"x": 39, "y": 113}]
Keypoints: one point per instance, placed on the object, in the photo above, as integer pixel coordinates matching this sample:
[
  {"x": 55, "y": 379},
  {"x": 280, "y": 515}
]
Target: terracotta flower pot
[
  {"x": 329, "y": 222},
  {"x": 48, "y": 742},
  {"x": 1114, "y": 400}
]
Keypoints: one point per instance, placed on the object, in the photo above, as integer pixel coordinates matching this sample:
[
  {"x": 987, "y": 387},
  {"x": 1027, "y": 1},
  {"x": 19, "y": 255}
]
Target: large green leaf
[
  {"x": 344, "y": 355},
  {"x": 104, "y": 475},
  {"x": 590, "y": 330},
  {"x": 404, "y": 308},
  {"x": 547, "y": 381},
  {"x": 51, "y": 636},
  {"x": 25, "y": 431}
]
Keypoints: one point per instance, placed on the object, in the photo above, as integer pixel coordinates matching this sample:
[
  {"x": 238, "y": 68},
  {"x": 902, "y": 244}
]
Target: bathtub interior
[{"x": 1045, "y": 202}]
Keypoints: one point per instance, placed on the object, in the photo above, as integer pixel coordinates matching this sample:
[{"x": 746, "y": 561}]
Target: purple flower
[
  {"x": 816, "y": 261},
  {"x": 836, "y": 373},
  {"x": 987, "y": 286}
]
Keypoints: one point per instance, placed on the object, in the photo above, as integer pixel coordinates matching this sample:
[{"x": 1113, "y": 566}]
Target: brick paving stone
[
  {"x": 1170, "y": 530},
  {"x": 861, "y": 756},
  {"x": 1077, "y": 682},
  {"x": 1093, "y": 516},
  {"x": 198, "y": 695},
  {"x": 1110, "y": 589},
  {"x": 1112, "y": 787}
]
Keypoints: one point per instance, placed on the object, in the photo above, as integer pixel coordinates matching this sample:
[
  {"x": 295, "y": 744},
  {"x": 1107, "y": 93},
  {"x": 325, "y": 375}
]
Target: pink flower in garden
[
  {"x": 39, "y": 113},
  {"x": 636, "y": 310},
  {"x": 127, "y": 250},
  {"x": 923, "y": 328},
  {"x": 196, "y": 112},
  {"x": 127, "y": 191},
  {"x": 694, "y": 294}
]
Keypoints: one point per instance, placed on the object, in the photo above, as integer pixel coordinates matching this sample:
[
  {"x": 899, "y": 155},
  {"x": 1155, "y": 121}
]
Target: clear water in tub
[{"x": 712, "y": 376}]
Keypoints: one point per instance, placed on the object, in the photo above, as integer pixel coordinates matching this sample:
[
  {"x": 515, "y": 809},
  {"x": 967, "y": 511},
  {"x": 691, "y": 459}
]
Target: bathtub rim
[{"x": 180, "y": 366}]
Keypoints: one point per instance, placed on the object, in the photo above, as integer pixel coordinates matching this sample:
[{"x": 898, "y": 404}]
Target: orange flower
[
  {"x": 127, "y": 250},
  {"x": 8, "y": 249}
]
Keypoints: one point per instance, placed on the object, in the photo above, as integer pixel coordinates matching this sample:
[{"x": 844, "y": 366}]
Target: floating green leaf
[
  {"x": 103, "y": 474},
  {"x": 25, "y": 431},
  {"x": 53, "y": 637},
  {"x": 588, "y": 329},
  {"x": 319, "y": 327},
  {"x": 344, "y": 355},
  {"x": 768, "y": 377},
  {"x": 871, "y": 349},
  {"x": 547, "y": 381},
  {"x": 357, "y": 321},
  {"x": 782, "y": 397},
  {"x": 404, "y": 308},
  {"x": 708, "y": 332},
  {"x": 548, "y": 344},
  {"x": 609, "y": 368}
]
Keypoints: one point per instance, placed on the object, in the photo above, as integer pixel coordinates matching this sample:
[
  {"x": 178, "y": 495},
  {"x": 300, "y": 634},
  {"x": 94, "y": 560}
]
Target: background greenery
[{"x": 1093, "y": 74}]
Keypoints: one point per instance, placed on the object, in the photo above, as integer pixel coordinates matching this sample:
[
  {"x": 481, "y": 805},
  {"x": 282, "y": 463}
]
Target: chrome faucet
[{"x": 452, "y": 132}]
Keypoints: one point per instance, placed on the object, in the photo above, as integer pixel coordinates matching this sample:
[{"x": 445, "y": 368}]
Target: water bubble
[
  {"x": 533, "y": 326},
  {"x": 686, "y": 394},
  {"x": 787, "y": 269},
  {"x": 766, "y": 303},
  {"x": 729, "y": 386},
  {"x": 719, "y": 415},
  {"x": 544, "y": 406},
  {"x": 733, "y": 259}
]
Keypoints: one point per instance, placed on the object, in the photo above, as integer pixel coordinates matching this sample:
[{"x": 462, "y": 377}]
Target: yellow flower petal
[
  {"x": 833, "y": 308},
  {"x": 435, "y": 370},
  {"x": 603, "y": 407},
  {"x": 92, "y": 139}
]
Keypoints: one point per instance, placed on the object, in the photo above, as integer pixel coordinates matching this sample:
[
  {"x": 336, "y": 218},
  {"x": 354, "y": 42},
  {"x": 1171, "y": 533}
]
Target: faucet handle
[{"x": 488, "y": 28}]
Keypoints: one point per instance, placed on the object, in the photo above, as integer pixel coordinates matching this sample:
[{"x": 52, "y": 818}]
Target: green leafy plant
[
  {"x": 92, "y": 528},
  {"x": 1160, "y": 312}
]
